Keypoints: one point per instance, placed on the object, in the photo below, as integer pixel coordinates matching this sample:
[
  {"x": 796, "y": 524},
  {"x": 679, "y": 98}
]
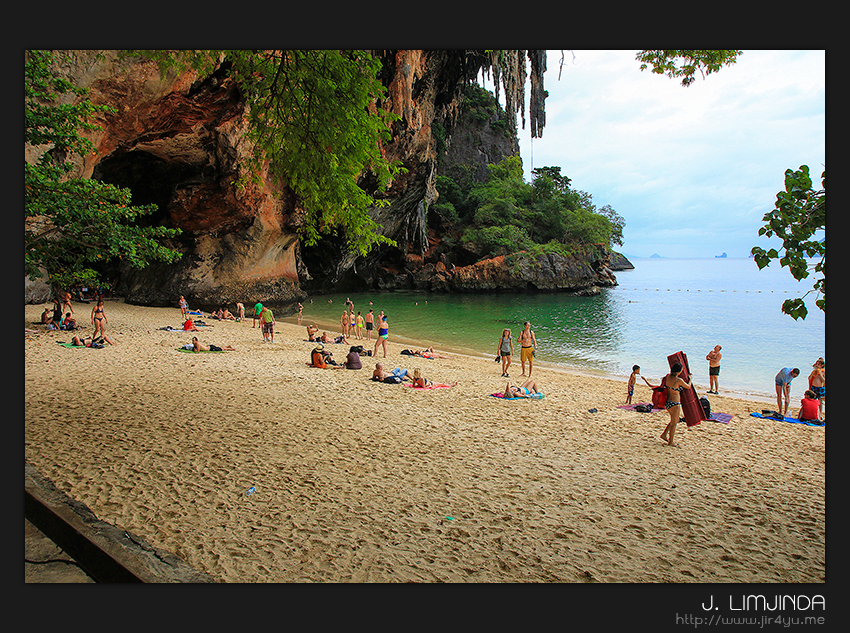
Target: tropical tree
[
  {"x": 799, "y": 214},
  {"x": 74, "y": 226},
  {"x": 685, "y": 64},
  {"x": 315, "y": 119}
]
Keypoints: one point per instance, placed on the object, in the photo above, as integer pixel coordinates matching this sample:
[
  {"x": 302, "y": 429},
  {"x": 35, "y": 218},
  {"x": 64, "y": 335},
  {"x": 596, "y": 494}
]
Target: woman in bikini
[
  {"x": 675, "y": 386},
  {"x": 423, "y": 383},
  {"x": 383, "y": 335},
  {"x": 99, "y": 320},
  {"x": 525, "y": 390}
]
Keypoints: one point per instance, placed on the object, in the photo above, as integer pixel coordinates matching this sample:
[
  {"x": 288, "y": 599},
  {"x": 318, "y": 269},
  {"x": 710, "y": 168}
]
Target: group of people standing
[{"x": 527, "y": 342}]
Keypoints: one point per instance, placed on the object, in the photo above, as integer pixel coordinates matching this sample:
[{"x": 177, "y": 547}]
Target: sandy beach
[{"x": 357, "y": 481}]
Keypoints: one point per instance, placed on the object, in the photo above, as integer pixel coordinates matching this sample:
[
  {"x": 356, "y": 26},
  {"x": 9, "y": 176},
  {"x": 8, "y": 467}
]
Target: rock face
[
  {"x": 583, "y": 273},
  {"x": 179, "y": 141}
]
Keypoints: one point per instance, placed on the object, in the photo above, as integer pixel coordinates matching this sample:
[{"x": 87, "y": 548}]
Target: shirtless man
[
  {"x": 380, "y": 373},
  {"x": 528, "y": 345},
  {"x": 713, "y": 358},
  {"x": 370, "y": 324},
  {"x": 200, "y": 347}
]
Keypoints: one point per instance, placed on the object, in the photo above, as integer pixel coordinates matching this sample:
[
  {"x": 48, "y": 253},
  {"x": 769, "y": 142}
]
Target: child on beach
[
  {"x": 817, "y": 383},
  {"x": 268, "y": 324},
  {"x": 809, "y": 407},
  {"x": 632, "y": 380}
]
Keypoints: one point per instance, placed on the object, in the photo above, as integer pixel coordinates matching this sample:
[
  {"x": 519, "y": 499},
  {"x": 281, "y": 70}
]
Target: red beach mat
[{"x": 692, "y": 410}]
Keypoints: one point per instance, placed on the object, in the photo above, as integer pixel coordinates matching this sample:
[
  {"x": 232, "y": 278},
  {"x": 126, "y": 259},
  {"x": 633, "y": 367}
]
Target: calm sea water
[{"x": 659, "y": 308}]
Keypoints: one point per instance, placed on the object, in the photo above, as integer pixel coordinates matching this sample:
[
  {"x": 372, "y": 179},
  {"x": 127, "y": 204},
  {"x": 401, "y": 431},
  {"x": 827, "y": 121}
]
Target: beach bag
[
  {"x": 706, "y": 406},
  {"x": 659, "y": 395},
  {"x": 643, "y": 408},
  {"x": 392, "y": 380}
]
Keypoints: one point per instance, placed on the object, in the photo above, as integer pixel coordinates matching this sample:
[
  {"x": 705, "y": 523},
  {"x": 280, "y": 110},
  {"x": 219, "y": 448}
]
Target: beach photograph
[{"x": 351, "y": 317}]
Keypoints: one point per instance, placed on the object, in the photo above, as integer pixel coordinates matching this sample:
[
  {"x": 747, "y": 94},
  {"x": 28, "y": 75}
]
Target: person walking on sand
[
  {"x": 675, "y": 385},
  {"x": 66, "y": 303},
  {"x": 506, "y": 348},
  {"x": 713, "y": 358},
  {"x": 817, "y": 383},
  {"x": 258, "y": 310},
  {"x": 268, "y": 324},
  {"x": 528, "y": 345},
  {"x": 783, "y": 387},
  {"x": 383, "y": 335}
]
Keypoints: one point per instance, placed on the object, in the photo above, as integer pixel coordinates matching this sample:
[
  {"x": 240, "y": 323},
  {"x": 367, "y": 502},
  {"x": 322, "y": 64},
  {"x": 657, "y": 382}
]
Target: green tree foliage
[
  {"x": 799, "y": 213},
  {"x": 685, "y": 64},
  {"x": 506, "y": 215},
  {"x": 315, "y": 117},
  {"x": 74, "y": 226}
]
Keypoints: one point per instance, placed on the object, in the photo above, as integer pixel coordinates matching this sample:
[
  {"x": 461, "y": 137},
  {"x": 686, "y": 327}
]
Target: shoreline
[
  {"x": 333, "y": 330},
  {"x": 253, "y": 467}
]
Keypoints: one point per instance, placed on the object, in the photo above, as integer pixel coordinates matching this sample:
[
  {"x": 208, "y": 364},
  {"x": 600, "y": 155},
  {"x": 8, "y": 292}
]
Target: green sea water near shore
[{"x": 659, "y": 308}]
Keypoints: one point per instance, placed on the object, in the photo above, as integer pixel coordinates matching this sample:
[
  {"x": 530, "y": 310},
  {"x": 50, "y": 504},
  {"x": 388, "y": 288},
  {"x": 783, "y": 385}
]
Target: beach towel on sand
[
  {"x": 412, "y": 386},
  {"x": 788, "y": 419},
  {"x": 207, "y": 351},
  {"x": 534, "y": 396},
  {"x": 715, "y": 416}
]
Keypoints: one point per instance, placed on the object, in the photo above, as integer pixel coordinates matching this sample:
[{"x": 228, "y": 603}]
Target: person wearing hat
[{"x": 317, "y": 358}]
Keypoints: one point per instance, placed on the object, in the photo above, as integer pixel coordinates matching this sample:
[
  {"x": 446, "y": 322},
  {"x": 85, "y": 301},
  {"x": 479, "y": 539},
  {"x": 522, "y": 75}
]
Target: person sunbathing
[
  {"x": 423, "y": 383},
  {"x": 380, "y": 373},
  {"x": 311, "y": 332},
  {"x": 430, "y": 353},
  {"x": 526, "y": 390},
  {"x": 200, "y": 347}
]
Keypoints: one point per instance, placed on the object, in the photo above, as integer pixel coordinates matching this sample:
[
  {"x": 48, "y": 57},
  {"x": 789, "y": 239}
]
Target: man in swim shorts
[
  {"x": 713, "y": 358},
  {"x": 528, "y": 345},
  {"x": 370, "y": 324}
]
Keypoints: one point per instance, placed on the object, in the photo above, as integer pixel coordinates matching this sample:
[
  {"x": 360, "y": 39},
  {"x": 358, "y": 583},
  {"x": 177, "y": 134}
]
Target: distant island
[
  {"x": 723, "y": 255},
  {"x": 654, "y": 255}
]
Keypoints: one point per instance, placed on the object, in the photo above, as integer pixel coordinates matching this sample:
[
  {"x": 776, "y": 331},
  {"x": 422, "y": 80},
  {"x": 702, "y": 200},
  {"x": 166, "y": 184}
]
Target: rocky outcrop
[
  {"x": 619, "y": 262},
  {"x": 178, "y": 140},
  {"x": 584, "y": 272}
]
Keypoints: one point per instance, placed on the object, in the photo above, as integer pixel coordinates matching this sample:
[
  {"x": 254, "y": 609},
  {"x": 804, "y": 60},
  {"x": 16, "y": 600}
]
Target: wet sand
[{"x": 356, "y": 481}]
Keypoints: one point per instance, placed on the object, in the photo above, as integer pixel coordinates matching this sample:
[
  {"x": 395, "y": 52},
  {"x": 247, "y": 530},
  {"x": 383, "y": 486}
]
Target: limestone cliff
[{"x": 179, "y": 141}]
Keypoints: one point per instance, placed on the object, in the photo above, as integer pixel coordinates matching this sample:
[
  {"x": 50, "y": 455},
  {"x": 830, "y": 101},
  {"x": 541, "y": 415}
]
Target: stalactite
[{"x": 509, "y": 74}]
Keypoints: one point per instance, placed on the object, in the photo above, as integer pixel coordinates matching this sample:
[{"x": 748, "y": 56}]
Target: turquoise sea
[{"x": 659, "y": 308}]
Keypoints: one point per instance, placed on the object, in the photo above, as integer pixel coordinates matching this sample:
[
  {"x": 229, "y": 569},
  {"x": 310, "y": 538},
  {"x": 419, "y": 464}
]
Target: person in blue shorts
[{"x": 783, "y": 387}]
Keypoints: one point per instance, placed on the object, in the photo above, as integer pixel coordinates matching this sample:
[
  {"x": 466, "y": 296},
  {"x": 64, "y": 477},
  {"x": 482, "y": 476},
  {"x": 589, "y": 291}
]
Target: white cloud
[{"x": 703, "y": 162}]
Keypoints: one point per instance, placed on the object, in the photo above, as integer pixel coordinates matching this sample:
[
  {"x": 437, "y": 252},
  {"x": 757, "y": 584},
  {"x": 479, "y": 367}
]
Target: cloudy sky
[{"x": 691, "y": 170}]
